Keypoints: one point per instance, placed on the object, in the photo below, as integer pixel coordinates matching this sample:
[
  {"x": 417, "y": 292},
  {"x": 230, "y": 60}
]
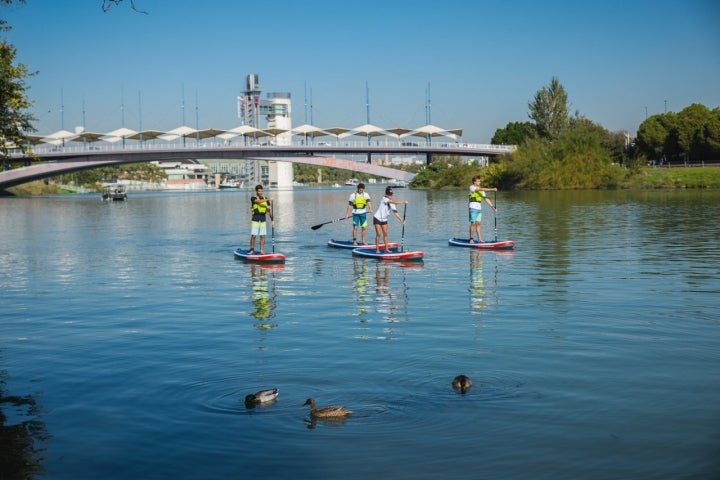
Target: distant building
[{"x": 277, "y": 109}]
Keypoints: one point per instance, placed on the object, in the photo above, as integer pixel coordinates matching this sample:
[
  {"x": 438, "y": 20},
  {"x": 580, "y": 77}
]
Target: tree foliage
[
  {"x": 15, "y": 118},
  {"x": 579, "y": 158},
  {"x": 514, "y": 133},
  {"x": 549, "y": 109},
  {"x": 692, "y": 135}
]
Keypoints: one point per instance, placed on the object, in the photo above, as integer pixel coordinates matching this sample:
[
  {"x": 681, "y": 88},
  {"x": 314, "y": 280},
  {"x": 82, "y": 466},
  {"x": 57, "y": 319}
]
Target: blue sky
[{"x": 482, "y": 60}]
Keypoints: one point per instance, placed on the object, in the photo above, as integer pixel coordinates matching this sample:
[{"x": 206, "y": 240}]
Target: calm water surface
[{"x": 132, "y": 334}]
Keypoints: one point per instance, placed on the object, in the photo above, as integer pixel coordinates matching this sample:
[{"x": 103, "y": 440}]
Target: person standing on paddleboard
[
  {"x": 261, "y": 208},
  {"x": 360, "y": 205},
  {"x": 476, "y": 196},
  {"x": 382, "y": 215}
]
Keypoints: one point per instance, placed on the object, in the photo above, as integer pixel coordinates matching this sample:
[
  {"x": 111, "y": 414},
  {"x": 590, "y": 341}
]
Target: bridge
[{"x": 48, "y": 160}]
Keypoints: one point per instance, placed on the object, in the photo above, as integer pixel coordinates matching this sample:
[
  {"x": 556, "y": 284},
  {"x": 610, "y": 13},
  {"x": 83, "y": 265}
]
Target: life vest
[
  {"x": 359, "y": 202},
  {"x": 259, "y": 208},
  {"x": 476, "y": 196}
]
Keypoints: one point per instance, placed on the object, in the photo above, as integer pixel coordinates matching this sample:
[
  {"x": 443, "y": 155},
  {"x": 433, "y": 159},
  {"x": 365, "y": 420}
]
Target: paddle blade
[{"x": 315, "y": 227}]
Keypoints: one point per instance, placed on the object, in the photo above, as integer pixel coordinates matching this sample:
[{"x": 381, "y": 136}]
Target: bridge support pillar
[
  {"x": 428, "y": 159},
  {"x": 369, "y": 160}
]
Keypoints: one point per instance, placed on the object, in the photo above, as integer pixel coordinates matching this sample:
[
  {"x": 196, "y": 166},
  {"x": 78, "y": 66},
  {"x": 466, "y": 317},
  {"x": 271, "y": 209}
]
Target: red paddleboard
[
  {"x": 258, "y": 257},
  {"x": 392, "y": 256},
  {"x": 349, "y": 244},
  {"x": 497, "y": 245}
]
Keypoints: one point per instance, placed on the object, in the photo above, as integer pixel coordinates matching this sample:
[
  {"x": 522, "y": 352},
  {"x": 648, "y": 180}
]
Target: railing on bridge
[{"x": 192, "y": 144}]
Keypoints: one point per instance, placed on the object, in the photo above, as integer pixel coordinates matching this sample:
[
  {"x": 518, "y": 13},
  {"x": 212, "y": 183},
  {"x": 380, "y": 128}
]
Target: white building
[{"x": 277, "y": 109}]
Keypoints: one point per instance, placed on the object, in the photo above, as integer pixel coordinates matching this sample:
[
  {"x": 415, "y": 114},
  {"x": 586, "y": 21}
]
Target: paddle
[
  {"x": 495, "y": 216},
  {"x": 315, "y": 227},
  {"x": 402, "y": 235},
  {"x": 272, "y": 226}
]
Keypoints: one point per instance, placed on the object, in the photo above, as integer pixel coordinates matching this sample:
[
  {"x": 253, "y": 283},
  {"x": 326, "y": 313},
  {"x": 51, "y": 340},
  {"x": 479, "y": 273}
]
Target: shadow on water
[{"x": 20, "y": 455}]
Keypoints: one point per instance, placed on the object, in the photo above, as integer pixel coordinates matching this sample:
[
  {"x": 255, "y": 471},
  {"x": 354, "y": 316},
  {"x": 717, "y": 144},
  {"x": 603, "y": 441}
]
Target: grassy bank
[
  {"x": 441, "y": 177},
  {"x": 677, "y": 177},
  {"x": 37, "y": 187}
]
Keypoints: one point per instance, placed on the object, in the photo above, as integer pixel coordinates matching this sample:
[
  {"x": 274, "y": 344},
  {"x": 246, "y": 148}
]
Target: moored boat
[{"x": 114, "y": 192}]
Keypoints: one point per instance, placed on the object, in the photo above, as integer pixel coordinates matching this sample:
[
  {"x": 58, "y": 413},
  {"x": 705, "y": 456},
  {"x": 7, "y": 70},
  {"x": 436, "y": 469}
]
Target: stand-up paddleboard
[
  {"x": 258, "y": 257},
  {"x": 496, "y": 245},
  {"x": 349, "y": 244},
  {"x": 391, "y": 256}
]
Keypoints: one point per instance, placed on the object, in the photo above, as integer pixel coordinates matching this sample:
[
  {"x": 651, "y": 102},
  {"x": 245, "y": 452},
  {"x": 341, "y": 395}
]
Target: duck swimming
[
  {"x": 462, "y": 383},
  {"x": 263, "y": 396},
  {"x": 326, "y": 412}
]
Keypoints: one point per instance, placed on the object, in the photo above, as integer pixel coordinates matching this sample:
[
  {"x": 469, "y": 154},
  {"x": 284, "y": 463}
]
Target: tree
[
  {"x": 514, "y": 133},
  {"x": 691, "y": 122},
  {"x": 550, "y": 109},
  {"x": 15, "y": 119}
]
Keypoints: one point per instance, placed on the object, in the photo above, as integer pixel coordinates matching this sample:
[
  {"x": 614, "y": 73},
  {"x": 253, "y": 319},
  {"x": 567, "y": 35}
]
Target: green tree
[
  {"x": 578, "y": 158},
  {"x": 691, "y": 122},
  {"x": 549, "y": 109},
  {"x": 651, "y": 136},
  {"x": 15, "y": 119},
  {"x": 711, "y": 135},
  {"x": 514, "y": 133}
]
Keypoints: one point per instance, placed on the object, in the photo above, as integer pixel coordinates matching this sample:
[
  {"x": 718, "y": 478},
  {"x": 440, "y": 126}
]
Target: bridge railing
[{"x": 193, "y": 144}]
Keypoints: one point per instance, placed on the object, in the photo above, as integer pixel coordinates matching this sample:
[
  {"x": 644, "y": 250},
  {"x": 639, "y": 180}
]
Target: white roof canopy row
[{"x": 121, "y": 134}]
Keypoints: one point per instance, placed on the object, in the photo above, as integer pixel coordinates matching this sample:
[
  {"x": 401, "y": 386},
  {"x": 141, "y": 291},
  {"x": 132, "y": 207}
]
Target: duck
[
  {"x": 326, "y": 412},
  {"x": 263, "y": 396},
  {"x": 462, "y": 383}
]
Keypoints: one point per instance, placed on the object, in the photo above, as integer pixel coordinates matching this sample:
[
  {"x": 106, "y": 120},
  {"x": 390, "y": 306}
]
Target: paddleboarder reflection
[
  {"x": 482, "y": 292},
  {"x": 263, "y": 293},
  {"x": 361, "y": 276},
  {"x": 385, "y": 299},
  {"x": 477, "y": 282}
]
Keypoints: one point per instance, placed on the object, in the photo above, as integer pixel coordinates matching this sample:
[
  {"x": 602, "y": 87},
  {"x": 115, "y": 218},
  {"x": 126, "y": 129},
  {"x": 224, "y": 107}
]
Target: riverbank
[
  {"x": 646, "y": 178},
  {"x": 674, "y": 177},
  {"x": 649, "y": 178}
]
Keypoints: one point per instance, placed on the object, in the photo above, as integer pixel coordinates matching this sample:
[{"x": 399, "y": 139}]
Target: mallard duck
[
  {"x": 263, "y": 396},
  {"x": 462, "y": 383},
  {"x": 326, "y": 412}
]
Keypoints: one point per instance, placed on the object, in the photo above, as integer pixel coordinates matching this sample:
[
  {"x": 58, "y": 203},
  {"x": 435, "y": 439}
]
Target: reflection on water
[
  {"x": 264, "y": 293},
  {"x": 312, "y": 422},
  {"x": 599, "y": 348},
  {"x": 390, "y": 301},
  {"x": 477, "y": 281},
  {"x": 20, "y": 454},
  {"x": 361, "y": 281}
]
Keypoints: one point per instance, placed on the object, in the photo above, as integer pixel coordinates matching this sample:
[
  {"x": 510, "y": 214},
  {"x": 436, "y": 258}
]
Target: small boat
[
  {"x": 352, "y": 182},
  {"x": 496, "y": 245},
  {"x": 229, "y": 184},
  {"x": 259, "y": 257},
  {"x": 114, "y": 192},
  {"x": 389, "y": 256},
  {"x": 349, "y": 244}
]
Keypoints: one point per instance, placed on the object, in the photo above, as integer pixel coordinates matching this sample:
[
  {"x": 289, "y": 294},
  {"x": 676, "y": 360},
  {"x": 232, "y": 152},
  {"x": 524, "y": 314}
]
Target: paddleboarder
[
  {"x": 261, "y": 208},
  {"x": 476, "y": 197},
  {"x": 382, "y": 215},
  {"x": 360, "y": 205}
]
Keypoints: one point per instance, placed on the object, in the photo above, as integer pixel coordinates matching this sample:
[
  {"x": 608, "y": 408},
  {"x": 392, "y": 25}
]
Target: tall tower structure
[
  {"x": 249, "y": 102},
  {"x": 278, "y": 114},
  {"x": 277, "y": 110}
]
